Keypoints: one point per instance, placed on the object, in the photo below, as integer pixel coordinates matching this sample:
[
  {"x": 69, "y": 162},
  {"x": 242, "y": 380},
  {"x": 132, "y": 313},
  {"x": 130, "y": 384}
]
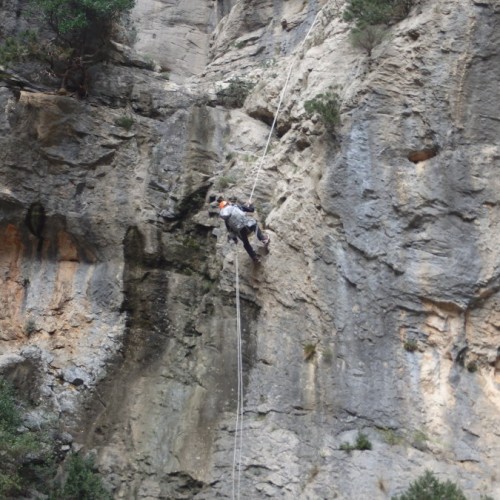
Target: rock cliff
[{"x": 376, "y": 310}]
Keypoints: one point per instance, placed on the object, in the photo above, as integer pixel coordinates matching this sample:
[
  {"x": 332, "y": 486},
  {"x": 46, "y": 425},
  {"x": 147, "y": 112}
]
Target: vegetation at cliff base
[
  {"x": 82, "y": 482},
  {"x": 26, "y": 457},
  {"x": 428, "y": 487}
]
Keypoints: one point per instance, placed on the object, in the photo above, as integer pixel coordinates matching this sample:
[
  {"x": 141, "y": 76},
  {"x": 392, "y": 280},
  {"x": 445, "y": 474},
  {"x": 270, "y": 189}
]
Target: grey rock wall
[{"x": 376, "y": 310}]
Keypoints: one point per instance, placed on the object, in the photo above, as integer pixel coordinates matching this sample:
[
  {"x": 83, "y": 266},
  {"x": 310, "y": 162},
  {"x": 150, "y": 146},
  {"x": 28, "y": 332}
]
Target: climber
[{"x": 240, "y": 226}]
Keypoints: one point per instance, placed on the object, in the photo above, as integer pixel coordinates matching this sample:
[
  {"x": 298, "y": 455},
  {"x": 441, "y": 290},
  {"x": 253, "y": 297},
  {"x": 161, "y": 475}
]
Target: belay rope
[
  {"x": 238, "y": 431},
  {"x": 261, "y": 162},
  {"x": 238, "y": 428}
]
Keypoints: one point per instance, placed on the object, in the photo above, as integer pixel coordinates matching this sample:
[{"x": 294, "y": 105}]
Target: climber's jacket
[{"x": 235, "y": 218}]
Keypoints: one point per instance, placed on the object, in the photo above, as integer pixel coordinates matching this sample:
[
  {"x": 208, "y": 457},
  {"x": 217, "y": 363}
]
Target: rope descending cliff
[
  {"x": 238, "y": 432},
  {"x": 282, "y": 95}
]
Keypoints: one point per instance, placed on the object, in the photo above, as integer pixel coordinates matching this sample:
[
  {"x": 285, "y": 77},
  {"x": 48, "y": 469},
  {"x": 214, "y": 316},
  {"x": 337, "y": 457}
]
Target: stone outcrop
[{"x": 376, "y": 310}]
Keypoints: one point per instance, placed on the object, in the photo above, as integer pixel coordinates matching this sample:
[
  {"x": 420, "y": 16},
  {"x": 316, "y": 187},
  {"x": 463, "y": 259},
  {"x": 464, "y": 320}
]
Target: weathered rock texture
[{"x": 118, "y": 293}]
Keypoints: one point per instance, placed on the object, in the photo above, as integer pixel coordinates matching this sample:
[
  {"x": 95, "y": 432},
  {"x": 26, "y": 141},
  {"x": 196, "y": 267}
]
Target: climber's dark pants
[{"x": 243, "y": 234}]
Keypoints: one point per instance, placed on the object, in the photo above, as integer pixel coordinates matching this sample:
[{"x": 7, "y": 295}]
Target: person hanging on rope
[{"x": 240, "y": 226}]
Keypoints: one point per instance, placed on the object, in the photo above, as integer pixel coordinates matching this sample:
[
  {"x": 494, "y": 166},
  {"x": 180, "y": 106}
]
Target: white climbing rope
[
  {"x": 261, "y": 162},
  {"x": 238, "y": 428}
]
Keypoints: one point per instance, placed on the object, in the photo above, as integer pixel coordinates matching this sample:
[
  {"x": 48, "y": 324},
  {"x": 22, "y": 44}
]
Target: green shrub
[
  {"x": 377, "y": 12},
  {"x": 309, "y": 351},
  {"x": 410, "y": 345},
  {"x": 125, "y": 122},
  {"x": 30, "y": 327},
  {"x": 472, "y": 367},
  {"x": 234, "y": 95},
  {"x": 9, "y": 414},
  {"x": 81, "y": 32},
  {"x": 367, "y": 37},
  {"x": 327, "y": 106},
  {"x": 419, "y": 440},
  {"x": 21, "y": 453},
  {"x": 345, "y": 446},
  {"x": 82, "y": 482},
  {"x": 428, "y": 487},
  {"x": 391, "y": 437},
  {"x": 76, "y": 19},
  {"x": 18, "y": 48},
  {"x": 362, "y": 443}
]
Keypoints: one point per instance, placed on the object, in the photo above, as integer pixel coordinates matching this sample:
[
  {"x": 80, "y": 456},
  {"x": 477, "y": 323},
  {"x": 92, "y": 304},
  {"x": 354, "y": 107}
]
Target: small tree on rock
[
  {"x": 367, "y": 38},
  {"x": 371, "y": 17},
  {"x": 428, "y": 487},
  {"x": 375, "y": 12},
  {"x": 327, "y": 106}
]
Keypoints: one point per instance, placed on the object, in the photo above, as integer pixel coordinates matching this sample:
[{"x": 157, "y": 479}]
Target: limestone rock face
[
  {"x": 174, "y": 34},
  {"x": 376, "y": 310}
]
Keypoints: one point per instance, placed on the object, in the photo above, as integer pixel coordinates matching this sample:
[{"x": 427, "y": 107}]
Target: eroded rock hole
[
  {"x": 416, "y": 156},
  {"x": 281, "y": 200},
  {"x": 35, "y": 219}
]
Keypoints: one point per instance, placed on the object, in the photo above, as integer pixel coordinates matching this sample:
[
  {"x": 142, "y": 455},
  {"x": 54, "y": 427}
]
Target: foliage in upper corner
[
  {"x": 429, "y": 487},
  {"x": 327, "y": 106},
  {"x": 75, "y": 20},
  {"x": 371, "y": 18},
  {"x": 81, "y": 31},
  {"x": 377, "y": 12}
]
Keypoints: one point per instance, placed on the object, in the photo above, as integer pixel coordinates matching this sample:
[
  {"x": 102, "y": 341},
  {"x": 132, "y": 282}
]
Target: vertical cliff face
[{"x": 376, "y": 310}]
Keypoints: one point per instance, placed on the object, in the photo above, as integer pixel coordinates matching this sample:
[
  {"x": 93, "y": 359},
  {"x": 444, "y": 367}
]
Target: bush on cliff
[
  {"x": 371, "y": 18},
  {"x": 73, "y": 21},
  {"x": 367, "y": 38},
  {"x": 82, "y": 482},
  {"x": 327, "y": 105},
  {"x": 428, "y": 487},
  {"x": 26, "y": 457},
  {"x": 377, "y": 12},
  {"x": 18, "y": 48}
]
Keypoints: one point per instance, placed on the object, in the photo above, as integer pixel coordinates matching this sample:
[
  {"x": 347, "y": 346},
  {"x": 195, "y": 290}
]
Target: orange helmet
[{"x": 222, "y": 204}]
